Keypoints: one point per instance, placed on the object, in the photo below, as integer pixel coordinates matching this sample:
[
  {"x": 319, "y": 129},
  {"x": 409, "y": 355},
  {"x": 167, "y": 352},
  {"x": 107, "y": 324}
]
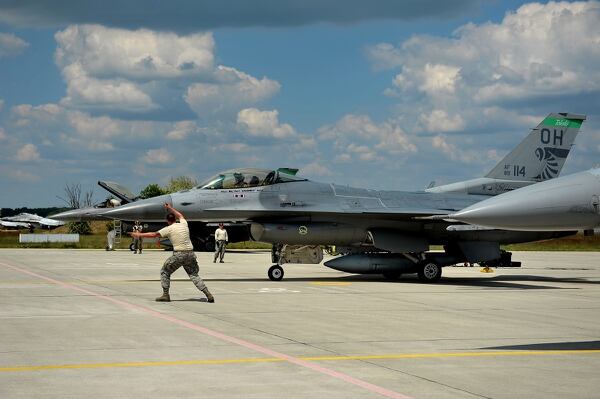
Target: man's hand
[{"x": 177, "y": 214}]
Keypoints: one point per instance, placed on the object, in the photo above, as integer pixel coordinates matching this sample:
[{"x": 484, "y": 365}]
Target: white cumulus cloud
[
  {"x": 11, "y": 45},
  {"x": 157, "y": 156},
  {"x": 315, "y": 169},
  {"x": 259, "y": 123},
  {"x": 439, "y": 121},
  {"x": 232, "y": 90},
  {"x": 537, "y": 52},
  {"x": 84, "y": 91},
  {"x": 140, "y": 54},
  {"x": 358, "y": 137},
  {"x": 28, "y": 153},
  {"x": 183, "y": 129},
  {"x": 143, "y": 71}
]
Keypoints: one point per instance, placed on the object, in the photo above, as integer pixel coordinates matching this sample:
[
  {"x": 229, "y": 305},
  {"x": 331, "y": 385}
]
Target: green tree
[
  {"x": 75, "y": 198},
  {"x": 180, "y": 183},
  {"x": 152, "y": 190},
  {"x": 82, "y": 228}
]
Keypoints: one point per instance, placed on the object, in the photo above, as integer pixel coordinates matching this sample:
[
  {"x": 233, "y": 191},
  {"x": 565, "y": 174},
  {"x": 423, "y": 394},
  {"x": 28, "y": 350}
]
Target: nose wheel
[{"x": 275, "y": 273}]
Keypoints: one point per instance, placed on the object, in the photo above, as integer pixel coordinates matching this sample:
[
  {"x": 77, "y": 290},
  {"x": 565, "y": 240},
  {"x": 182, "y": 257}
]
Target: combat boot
[
  {"x": 164, "y": 298},
  {"x": 209, "y": 296}
]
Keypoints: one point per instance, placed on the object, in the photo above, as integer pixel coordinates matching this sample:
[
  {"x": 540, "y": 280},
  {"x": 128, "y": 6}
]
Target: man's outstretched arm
[
  {"x": 151, "y": 234},
  {"x": 177, "y": 214}
]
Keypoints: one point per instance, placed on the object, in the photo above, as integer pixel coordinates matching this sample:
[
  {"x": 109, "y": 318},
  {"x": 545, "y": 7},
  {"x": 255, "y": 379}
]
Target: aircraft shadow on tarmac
[
  {"x": 496, "y": 282},
  {"x": 552, "y": 346}
]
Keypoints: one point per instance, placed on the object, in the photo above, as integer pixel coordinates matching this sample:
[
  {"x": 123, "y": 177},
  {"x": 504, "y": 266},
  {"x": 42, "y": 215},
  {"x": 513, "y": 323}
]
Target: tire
[
  {"x": 275, "y": 273},
  {"x": 392, "y": 275},
  {"x": 131, "y": 247},
  {"x": 430, "y": 272}
]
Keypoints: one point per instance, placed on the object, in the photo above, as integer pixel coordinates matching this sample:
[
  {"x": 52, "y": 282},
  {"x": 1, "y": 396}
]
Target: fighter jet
[
  {"x": 377, "y": 231},
  {"x": 567, "y": 203},
  {"x": 14, "y": 225},
  {"x": 25, "y": 219}
]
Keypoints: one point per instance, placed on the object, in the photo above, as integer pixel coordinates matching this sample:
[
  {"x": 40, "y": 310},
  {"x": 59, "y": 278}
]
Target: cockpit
[{"x": 249, "y": 177}]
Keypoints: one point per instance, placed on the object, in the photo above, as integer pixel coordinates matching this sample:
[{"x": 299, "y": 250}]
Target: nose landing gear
[{"x": 275, "y": 273}]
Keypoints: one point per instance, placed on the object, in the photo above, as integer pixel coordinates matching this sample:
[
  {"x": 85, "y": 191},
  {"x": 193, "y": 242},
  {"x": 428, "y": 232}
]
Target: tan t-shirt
[{"x": 179, "y": 235}]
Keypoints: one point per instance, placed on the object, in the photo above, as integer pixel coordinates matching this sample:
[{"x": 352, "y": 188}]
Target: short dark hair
[{"x": 171, "y": 217}]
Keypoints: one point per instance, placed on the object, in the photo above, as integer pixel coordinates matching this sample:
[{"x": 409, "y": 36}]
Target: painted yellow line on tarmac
[{"x": 307, "y": 358}]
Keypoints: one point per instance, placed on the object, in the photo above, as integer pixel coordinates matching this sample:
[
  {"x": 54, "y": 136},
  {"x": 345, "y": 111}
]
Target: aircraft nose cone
[{"x": 149, "y": 210}]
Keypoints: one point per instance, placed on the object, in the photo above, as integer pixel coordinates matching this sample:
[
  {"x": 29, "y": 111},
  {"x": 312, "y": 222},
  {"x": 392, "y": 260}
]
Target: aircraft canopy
[{"x": 249, "y": 177}]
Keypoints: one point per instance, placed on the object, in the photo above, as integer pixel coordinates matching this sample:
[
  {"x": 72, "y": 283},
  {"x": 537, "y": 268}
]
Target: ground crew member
[
  {"x": 110, "y": 240},
  {"x": 183, "y": 253},
  {"x": 137, "y": 242},
  {"x": 221, "y": 240}
]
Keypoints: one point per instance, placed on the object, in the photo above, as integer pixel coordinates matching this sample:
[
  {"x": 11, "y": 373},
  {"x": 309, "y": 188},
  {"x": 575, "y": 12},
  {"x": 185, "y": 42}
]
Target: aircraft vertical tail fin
[{"x": 542, "y": 154}]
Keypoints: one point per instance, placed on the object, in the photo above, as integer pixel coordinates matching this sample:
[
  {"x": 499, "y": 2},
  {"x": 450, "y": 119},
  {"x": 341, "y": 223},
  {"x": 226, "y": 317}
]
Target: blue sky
[{"x": 380, "y": 94}]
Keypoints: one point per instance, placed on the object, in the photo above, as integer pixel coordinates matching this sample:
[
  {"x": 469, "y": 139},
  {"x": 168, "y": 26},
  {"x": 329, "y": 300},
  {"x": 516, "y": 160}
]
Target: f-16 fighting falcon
[
  {"x": 567, "y": 203},
  {"x": 376, "y": 231}
]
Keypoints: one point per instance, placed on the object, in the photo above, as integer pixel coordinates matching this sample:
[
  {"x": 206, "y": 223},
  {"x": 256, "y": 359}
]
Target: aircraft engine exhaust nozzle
[
  {"x": 150, "y": 210},
  {"x": 563, "y": 204}
]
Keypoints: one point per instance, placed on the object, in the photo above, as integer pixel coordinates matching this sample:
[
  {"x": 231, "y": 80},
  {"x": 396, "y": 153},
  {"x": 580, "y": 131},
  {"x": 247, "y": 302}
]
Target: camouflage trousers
[
  {"x": 187, "y": 259},
  {"x": 220, "y": 249}
]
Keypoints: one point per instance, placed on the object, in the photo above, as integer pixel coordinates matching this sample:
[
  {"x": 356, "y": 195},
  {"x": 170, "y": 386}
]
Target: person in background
[
  {"x": 110, "y": 240},
  {"x": 221, "y": 240},
  {"x": 137, "y": 242}
]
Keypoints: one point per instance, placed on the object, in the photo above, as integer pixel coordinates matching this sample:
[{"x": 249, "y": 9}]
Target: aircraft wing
[{"x": 6, "y": 223}]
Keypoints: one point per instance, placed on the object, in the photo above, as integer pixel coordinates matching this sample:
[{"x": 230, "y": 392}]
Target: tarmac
[{"x": 84, "y": 323}]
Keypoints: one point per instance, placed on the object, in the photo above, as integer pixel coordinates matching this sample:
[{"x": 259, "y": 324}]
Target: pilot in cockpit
[
  {"x": 254, "y": 181},
  {"x": 239, "y": 180}
]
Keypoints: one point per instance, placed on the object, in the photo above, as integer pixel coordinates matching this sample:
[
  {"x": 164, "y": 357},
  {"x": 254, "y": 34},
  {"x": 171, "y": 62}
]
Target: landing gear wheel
[
  {"x": 430, "y": 272},
  {"x": 392, "y": 275},
  {"x": 275, "y": 273}
]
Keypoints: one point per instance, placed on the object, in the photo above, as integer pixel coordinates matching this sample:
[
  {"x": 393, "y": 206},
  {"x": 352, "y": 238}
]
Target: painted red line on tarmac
[{"x": 249, "y": 345}]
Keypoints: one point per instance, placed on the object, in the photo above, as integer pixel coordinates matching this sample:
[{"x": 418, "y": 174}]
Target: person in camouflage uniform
[
  {"x": 183, "y": 254},
  {"x": 137, "y": 242}
]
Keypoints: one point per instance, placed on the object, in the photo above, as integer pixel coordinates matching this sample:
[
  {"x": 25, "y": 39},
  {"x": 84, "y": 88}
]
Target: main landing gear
[{"x": 429, "y": 272}]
